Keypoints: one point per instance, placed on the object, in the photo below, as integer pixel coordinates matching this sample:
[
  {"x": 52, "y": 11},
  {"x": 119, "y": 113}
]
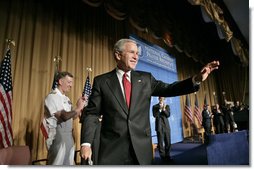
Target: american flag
[
  {"x": 87, "y": 88},
  {"x": 54, "y": 84},
  {"x": 187, "y": 110},
  {"x": 86, "y": 92},
  {"x": 197, "y": 112},
  {"x": 44, "y": 127},
  {"x": 6, "y": 134}
]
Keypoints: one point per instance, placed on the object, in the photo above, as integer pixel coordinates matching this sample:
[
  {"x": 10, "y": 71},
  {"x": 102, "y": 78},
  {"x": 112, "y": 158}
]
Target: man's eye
[{"x": 133, "y": 52}]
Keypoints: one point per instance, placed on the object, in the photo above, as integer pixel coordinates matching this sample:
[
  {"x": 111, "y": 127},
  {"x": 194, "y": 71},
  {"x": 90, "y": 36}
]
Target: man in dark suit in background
[
  {"x": 161, "y": 112},
  {"x": 123, "y": 96},
  {"x": 207, "y": 122}
]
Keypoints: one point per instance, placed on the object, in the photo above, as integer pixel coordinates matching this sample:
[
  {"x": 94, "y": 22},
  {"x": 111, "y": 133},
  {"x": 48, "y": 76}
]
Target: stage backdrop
[{"x": 162, "y": 65}]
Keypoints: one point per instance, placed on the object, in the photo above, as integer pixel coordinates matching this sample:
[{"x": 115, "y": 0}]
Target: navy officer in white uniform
[{"x": 59, "y": 116}]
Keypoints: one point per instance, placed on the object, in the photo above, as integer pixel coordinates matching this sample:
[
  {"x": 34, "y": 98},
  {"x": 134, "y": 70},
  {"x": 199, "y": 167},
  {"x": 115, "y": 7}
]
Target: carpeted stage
[{"x": 223, "y": 149}]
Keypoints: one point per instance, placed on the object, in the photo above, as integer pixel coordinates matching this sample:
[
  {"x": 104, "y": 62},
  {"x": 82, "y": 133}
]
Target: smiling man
[
  {"x": 59, "y": 114},
  {"x": 123, "y": 96}
]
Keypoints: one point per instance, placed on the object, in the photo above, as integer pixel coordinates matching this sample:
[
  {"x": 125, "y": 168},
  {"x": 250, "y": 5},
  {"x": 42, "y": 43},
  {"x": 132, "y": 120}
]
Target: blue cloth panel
[{"x": 228, "y": 149}]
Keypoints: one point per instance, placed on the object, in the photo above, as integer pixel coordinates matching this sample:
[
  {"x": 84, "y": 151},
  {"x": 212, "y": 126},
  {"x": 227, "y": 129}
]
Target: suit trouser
[{"x": 164, "y": 143}]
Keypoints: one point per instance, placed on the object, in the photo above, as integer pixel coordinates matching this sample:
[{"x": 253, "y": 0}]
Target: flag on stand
[
  {"x": 87, "y": 88},
  {"x": 44, "y": 128},
  {"x": 6, "y": 134},
  {"x": 54, "y": 84},
  {"x": 86, "y": 92},
  {"x": 197, "y": 112},
  {"x": 187, "y": 110}
]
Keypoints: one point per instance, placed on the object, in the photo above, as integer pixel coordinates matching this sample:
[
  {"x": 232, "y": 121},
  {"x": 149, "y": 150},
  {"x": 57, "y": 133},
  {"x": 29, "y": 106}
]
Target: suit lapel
[
  {"x": 136, "y": 87},
  {"x": 114, "y": 86}
]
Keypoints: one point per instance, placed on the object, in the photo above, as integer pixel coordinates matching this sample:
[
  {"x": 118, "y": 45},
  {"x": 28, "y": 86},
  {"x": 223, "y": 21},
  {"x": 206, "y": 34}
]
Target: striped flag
[
  {"x": 54, "y": 84},
  {"x": 197, "y": 112},
  {"x": 86, "y": 92},
  {"x": 44, "y": 127},
  {"x": 187, "y": 110},
  {"x": 87, "y": 88},
  {"x": 6, "y": 134}
]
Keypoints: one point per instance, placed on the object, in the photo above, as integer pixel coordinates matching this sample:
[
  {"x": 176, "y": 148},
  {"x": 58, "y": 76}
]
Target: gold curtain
[
  {"x": 42, "y": 31},
  {"x": 83, "y": 36}
]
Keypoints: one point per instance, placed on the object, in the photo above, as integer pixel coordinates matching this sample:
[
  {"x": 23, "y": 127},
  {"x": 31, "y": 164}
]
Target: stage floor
[
  {"x": 184, "y": 154},
  {"x": 224, "y": 149}
]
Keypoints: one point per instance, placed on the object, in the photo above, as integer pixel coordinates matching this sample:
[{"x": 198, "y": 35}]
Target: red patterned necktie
[{"x": 127, "y": 89}]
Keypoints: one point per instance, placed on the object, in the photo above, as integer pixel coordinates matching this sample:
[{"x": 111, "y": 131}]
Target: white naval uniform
[{"x": 60, "y": 143}]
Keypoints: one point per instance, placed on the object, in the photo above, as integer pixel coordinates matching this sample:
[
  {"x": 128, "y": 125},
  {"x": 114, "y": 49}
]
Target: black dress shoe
[
  {"x": 169, "y": 158},
  {"x": 166, "y": 158}
]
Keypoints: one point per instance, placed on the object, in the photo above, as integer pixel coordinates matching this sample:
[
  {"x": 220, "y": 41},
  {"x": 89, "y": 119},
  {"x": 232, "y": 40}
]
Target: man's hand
[
  {"x": 86, "y": 152},
  {"x": 81, "y": 103},
  {"x": 206, "y": 71}
]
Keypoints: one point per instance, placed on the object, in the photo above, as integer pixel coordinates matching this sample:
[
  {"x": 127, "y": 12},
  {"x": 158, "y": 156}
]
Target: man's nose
[{"x": 135, "y": 56}]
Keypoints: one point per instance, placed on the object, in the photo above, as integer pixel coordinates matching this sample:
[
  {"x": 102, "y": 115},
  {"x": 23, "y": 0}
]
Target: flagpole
[
  {"x": 214, "y": 97},
  {"x": 57, "y": 60},
  {"x": 192, "y": 122}
]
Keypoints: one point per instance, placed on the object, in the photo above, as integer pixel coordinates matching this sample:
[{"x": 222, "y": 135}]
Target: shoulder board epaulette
[{"x": 53, "y": 92}]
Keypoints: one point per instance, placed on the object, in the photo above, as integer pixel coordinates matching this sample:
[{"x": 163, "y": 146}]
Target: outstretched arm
[{"x": 204, "y": 73}]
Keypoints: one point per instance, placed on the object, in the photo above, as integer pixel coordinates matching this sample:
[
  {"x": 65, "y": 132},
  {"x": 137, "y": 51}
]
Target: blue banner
[{"x": 156, "y": 56}]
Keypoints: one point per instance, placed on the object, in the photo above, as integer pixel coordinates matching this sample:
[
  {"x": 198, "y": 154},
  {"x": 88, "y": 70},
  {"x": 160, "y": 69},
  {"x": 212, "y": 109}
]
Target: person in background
[
  {"x": 161, "y": 112},
  {"x": 237, "y": 107},
  {"x": 59, "y": 117},
  {"x": 215, "y": 118},
  {"x": 218, "y": 119},
  {"x": 123, "y": 97},
  {"x": 230, "y": 123},
  {"x": 207, "y": 123}
]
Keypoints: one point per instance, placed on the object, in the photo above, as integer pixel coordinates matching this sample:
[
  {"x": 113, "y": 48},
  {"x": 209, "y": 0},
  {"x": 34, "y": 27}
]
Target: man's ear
[
  {"x": 60, "y": 81},
  {"x": 117, "y": 55}
]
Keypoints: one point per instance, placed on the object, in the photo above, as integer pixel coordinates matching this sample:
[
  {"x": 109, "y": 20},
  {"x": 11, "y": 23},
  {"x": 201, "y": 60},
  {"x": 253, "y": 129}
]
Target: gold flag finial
[
  {"x": 10, "y": 41},
  {"x": 214, "y": 97},
  {"x": 89, "y": 69},
  {"x": 57, "y": 60}
]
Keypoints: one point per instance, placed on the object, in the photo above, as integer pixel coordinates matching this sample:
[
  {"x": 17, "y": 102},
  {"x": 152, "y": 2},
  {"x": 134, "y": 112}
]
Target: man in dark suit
[
  {"x": 123, "y": 96},
  {"x": 161, "y": 112},
  {"x": 207, "y": 122}
]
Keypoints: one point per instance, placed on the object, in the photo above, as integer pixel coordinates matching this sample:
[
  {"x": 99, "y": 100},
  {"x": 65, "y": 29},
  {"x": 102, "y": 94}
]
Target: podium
[
  {"x": 228, "y": 149},
  {"x": 222, "y": 149}
]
